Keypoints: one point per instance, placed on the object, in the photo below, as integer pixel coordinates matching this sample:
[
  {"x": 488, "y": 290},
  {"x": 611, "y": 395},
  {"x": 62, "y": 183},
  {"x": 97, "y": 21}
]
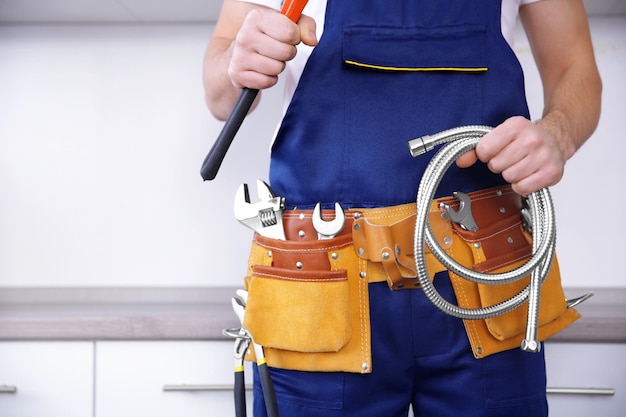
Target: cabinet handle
[
  {"x": 580, "y": 391},
  {"x": 200, "y": 387},
  {"x": 8, "y": 389}
]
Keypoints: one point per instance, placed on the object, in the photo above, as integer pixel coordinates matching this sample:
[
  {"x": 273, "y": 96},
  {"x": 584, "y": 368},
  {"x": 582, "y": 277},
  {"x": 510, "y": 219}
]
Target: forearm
[
  {"x": 220, "y": 92},
  {"x": 558, "y": 32},
  {"x": 249, "y": 47},
  {"x": 572, "y": 107}
]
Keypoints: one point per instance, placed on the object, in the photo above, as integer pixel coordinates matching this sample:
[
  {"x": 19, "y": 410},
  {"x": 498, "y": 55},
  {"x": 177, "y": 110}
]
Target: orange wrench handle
[
  {"x": 212, "y": 162},
  {"x": 293, "y": 9}
]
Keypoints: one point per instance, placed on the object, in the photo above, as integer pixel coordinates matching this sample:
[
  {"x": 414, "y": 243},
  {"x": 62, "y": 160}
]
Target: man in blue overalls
[{"x": 384, "y": 72}]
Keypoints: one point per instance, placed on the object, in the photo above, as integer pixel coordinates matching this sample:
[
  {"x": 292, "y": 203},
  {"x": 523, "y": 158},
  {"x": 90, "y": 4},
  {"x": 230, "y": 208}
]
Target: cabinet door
[
  {"x": 165, "y": 379},
  {"x": 586, "y": 379},
  {"x": 46, "y": 379}
]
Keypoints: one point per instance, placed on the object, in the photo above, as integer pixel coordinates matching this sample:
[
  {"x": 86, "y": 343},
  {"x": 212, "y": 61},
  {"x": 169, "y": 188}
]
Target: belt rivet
[
  {"x": 360, "y": 251},
  {"x": 334, "y": 255},
  {"x": 362, "y": 274},
  {"x": 299, "y": 265},
  {"x": 357, "y": 216},
  {"x": 477, "y": 245},
  {"x": 398, "y": 251},
  {"x": 365, "y": 366},
  {"x": 301, "y": 216},
  {"x": 357, "y": 226},
  {"x": 269, "y": 254},
  {"x": 499, "y": 193},
  {"x": 479, "y": 351},
  {"x": 385, "y": 255},
  {"x": 502, "y": 210},
  {"x": 509, "y": 239},
  {"x": 447, "y": 240},
  {"x": 301, "y": 233}
]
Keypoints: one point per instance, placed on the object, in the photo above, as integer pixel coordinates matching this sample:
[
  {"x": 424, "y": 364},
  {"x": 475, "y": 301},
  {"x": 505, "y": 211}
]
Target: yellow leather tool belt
[{"x": 308, "y": 299}]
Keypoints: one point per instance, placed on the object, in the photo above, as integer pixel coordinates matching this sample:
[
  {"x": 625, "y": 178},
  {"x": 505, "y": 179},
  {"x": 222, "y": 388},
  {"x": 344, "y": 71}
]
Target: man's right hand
[
  {"x": 265, "y": 42},
  {"x": 249, "y": 48}
]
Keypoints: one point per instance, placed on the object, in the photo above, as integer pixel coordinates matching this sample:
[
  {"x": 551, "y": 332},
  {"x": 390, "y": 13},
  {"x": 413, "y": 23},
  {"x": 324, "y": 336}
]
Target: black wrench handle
[
  {"x": 216, "y": 155},
  {"x": 292, "y": 9}
]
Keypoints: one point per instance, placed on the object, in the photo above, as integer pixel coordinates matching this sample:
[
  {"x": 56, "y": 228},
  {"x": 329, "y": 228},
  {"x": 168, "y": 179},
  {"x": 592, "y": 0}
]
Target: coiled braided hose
[{"x": 542, "y": 224}]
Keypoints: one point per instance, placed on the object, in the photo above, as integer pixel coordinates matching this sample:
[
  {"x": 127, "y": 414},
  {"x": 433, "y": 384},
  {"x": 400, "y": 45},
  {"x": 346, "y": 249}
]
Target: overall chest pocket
[
  {"x": 448, "y": 48},
  {"x": 403, "y": 82},
  {"x": 412, "y": 74}
]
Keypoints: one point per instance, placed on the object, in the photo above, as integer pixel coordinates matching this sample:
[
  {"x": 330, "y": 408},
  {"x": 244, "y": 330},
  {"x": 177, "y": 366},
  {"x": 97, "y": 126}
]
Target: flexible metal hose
[{"x": 542, "y": 221}]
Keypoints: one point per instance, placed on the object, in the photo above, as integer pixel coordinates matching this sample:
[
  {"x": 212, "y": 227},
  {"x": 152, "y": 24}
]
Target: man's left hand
[{"x": 525, "y": 153}]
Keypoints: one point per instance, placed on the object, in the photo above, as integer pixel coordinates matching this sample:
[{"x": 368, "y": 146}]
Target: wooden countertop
[{"x": 202, "y": 314}]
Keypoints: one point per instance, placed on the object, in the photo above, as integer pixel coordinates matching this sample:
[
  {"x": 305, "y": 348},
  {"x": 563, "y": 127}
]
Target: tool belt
[{"x": 308, "y": 299}]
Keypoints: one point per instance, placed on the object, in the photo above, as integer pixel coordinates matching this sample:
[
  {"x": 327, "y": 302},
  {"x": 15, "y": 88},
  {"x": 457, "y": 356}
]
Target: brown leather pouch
[
  {"x": 500, "y": 247},
  {"x": 308, "y": 299},
  {"x": 385, "y": 237}
]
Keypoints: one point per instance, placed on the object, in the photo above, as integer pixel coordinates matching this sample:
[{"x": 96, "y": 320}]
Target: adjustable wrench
[
  {"x": 328, "y": 229},
  {"x": 264, "y": 217}
]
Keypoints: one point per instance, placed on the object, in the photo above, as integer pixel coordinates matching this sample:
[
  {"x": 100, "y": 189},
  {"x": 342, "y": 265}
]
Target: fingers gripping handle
[{"x": 292, "y": 9}]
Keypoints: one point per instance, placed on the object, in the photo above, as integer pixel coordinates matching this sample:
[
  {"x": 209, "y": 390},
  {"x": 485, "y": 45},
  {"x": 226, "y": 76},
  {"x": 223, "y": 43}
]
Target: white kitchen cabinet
[
  {"x": 586, "y": 379},
  {"x": 46, "y": 379},
  {"x": 165, "y": 378}
]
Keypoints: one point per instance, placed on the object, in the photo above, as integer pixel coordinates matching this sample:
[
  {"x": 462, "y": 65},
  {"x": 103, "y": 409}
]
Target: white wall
[
  {"x": 103, "y": 130},
  {"x": 590, "y": 198},
  {"x": 102, "y": 133}
]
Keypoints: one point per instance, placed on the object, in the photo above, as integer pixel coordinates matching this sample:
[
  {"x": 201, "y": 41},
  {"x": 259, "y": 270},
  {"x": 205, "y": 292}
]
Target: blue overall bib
[{"x": 385, "y": 72}]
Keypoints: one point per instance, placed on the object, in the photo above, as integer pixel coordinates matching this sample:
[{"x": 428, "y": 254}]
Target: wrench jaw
[
  {"x": 328, "y": 229},
  {"x": 463, "y": 217},
  {"x": 264, "y": 191},
  {"x": 264, "y": 217}
]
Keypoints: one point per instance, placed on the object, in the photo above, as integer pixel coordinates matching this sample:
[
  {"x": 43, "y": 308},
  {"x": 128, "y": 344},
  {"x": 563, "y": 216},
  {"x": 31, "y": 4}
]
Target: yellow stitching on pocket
[{"x": 415, "y": 69}]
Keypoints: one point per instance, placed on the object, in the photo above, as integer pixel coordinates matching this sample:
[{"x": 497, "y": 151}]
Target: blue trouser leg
[{"x": 420, "y": 357}]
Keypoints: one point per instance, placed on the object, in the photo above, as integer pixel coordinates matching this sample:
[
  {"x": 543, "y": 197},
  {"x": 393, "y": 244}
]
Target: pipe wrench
[{"x": 265, "y": 217}]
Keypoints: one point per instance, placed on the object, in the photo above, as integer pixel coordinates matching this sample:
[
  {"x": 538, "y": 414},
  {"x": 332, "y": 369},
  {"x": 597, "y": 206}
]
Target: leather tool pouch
[
  {"x": 307, "y": 305},
  {"x": 499, "y": 247},
  {"x": 385, "y": 237},
  {"x": 308, "y": 301}
]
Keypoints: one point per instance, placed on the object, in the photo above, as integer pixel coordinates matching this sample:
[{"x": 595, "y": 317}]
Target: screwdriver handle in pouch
[{"x": 292, "y": 9}]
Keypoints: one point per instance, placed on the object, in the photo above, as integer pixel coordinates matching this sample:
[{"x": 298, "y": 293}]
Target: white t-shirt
[{"x": 316, "y": 9}]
